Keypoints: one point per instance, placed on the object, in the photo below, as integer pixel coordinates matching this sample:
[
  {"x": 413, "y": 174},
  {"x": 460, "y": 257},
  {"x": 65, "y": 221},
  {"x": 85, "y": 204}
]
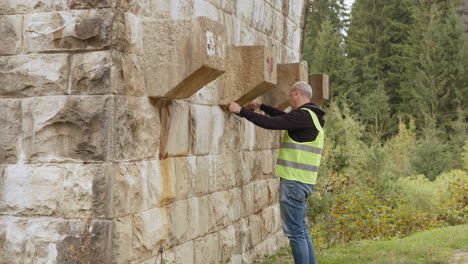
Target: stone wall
[{"x": 114, "y": 143}]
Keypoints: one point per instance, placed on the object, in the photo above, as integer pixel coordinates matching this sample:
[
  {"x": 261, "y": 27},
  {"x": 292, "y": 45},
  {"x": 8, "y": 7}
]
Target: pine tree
[
  {"x": 318, "y": 12},
  {"x": 377, "y": 33},
  {"x": 328, "y": 57},
  {"x": 436, "y": 79}
]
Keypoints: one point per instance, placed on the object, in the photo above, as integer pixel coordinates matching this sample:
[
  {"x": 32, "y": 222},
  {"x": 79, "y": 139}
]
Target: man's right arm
[{"x": 271, "y": 111}]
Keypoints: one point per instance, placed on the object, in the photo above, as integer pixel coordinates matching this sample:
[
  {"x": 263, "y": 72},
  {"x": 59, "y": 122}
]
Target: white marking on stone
[
  {"x": 52, "y": 257},
  {"x": 210, "y": 43}
]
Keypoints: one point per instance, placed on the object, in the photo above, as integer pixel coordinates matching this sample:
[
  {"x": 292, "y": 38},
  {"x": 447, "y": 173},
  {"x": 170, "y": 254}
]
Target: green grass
[{"x": 432, "y": 247}]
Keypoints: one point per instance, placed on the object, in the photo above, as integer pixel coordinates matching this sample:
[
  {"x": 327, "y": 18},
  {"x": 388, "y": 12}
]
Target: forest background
[{"x": 396, "y": 152}]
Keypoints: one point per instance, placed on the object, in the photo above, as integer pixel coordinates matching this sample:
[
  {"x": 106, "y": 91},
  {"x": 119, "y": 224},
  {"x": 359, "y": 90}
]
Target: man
[{"x": 298, "y": 161}]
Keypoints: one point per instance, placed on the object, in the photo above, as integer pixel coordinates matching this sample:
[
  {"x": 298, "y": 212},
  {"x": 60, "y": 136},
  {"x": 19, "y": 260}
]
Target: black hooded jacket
[{"x": 298, "y": 122}]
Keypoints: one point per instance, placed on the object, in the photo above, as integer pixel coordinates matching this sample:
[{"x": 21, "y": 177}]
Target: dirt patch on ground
[{"x": 460, "y": 257}]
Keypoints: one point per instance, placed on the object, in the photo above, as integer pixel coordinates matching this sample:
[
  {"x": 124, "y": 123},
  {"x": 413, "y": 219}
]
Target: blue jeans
[{"x": 293, "y": 204}]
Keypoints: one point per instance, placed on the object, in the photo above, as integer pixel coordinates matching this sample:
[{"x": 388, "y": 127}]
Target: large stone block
[
  {"x": 184, "y": 253},
  {"x": 66, "y": 129},
  {"x": 86, "y": 191},
  {"x": 83, "y": 190},
  {"x": 81, "y": 4},
  {"x": 206, "y": 249},
  {"x": 227, "y": 244},
  {"x": 199, "y": 215},
  {"x": 72, "y": 30},
  {"x": 136, "y": 129},
  {"x": 319, "y": 84},
  {"x": 31, "y": 190},
  {"x": 179, "y": 223},
  {"x": 11, "y": 32},
  {"x": 205, "y": 176},
  {"x": 87, "y": 241},
  {"x": 128, "y": 188},
  {"x": 128, "y": 29},
  {"x": 10, "y": 130},
  {"x": 256, "y": 226},
  {"x": 33, "y": 75},
  {"x": 149, "y": 232},
  {"x": 175, "y": 129},
  {"x": 205, "y": 130},
  {"x": 288, "y": 74},
  {"x": 106, "y": 72},
  {"x": 229, "y": 171},
  {"x": 181, "y": 56},
  {"x": 250, "y": 72},
  {"x": 26, "y": 6},
  {"x": 162, "y": 182},
  {"x": 53, "y": 240},
  {"x": 185, "y": 173},
  {"x": 261, "y": 195},
  {"x": 122, "y": 237}
]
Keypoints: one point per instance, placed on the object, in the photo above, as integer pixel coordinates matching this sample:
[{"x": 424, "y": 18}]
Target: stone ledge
[
  {"x": 319, "y": 84},
  {"x": 251, "y": 71},
  {"x": 288, "y": 74},
  {"x": 181, "y": 56}
]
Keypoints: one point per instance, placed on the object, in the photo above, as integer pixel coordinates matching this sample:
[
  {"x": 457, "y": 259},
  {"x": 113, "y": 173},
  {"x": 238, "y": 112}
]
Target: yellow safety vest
[{"x": 300, "y": 161}]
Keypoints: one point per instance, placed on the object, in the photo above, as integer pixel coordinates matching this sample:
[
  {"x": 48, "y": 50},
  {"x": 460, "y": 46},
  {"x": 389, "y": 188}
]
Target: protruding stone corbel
[
  {"x": 250, "y": 72},
  {"x": 181, "y": 56},
  {"x": 288, "y": 74},
  {"x": 319, "y": 83}
]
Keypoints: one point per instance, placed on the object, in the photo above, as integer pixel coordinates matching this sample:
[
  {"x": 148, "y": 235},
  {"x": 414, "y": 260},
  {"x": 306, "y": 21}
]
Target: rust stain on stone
[{"x": 167, "y": 195}]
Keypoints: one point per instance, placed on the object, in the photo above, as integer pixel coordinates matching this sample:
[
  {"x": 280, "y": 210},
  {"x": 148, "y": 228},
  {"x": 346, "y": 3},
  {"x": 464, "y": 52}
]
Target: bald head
[{"x": 303, "y": 88}]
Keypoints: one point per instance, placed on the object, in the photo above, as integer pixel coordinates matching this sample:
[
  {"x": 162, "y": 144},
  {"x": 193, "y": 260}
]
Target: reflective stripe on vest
[{"x": 300, "y": 161}]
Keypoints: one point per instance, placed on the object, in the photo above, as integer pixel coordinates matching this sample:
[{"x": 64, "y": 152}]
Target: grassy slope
[{"x": 435, "y": 246}]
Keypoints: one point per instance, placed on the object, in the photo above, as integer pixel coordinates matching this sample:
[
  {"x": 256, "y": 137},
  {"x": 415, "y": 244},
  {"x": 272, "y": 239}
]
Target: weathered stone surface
[
  {"x": 72, "y": 30},
  {"x": 33, "y": 75},
  {"x": 65, "y": 129},
  {"x": 81, "y": 4},
  {"x": 86, "y": 241},
  {"x": 175, "y": 121},
  {"x": 181, "y": 56},
  {"x": 11, "y": 32},
  {"x": 163, "y": 183},
  {"x": 288, "y": 74},
  {"x": 136, "y": 128},
  {"x": 261, "y": 195},
  {"x": 273, "y": 190},
  {"x": 128, "y": 188},
  {"x": 26, "y": 6},
  {"x": 185, "y": 172},
  {"x": 86, "y": 191},
  {"x": 227, "y": 243},
  {"x": 229, "y": 171},
  {"x": 319, "y": 84},
  {"x": 92, "y": 73},
  {"x": 179, "y": 223},
  {"x": 256, "y": 230},
  {"x": 205, "y": 177},
  {"x": 250, "y": 72},
  {"x": 10, "y": 129},
  {"x": 201, "y": 129},
  {"x": 31, "y": 190},
  {"x": 51, "y": 240},
  {"x": 184, "y": 253},
  {"x": 206, "y": 249},
  {"x": 199, "y": 215},
  {"x": 122, "y": 235},
  {"x": 106, "y": 72},
  {"x": 266, "y": 139},
  {"x": 220, "y": 215},
  {"x": 149, "y": 232},
  {"x": 163, "y": 9},
  {"x": 129, "y": 32}
]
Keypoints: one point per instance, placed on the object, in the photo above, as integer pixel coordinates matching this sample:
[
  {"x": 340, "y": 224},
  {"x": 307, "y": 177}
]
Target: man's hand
[
  {"x": 234, "y": 108},
  {"x": 253, "y": 106}
]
